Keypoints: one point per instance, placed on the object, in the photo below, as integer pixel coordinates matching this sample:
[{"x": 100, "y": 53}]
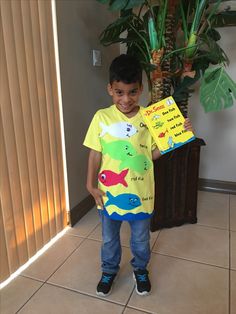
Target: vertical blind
[{"x": 32, "y": 199}]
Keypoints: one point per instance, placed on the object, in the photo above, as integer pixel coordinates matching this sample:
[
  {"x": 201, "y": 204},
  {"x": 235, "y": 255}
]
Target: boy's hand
[
  {"x": 188, "y": 125},
  {"x": 156, "y": 154},
  {"x": 97, "y": 195}
]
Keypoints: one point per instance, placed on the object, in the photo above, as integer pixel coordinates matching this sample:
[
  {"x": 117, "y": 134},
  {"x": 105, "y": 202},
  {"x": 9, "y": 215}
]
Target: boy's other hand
[
  {"x": 188, "y": 125},
  {"x": 156, "y": 154},
  {"x": 97, "y": 195}
]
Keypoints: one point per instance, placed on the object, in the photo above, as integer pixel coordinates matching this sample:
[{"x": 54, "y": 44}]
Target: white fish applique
[{"x": 119, "y": 130}]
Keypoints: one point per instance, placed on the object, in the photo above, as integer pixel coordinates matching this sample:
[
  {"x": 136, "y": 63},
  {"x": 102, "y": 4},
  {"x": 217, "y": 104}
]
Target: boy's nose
[{"x": 126, "y": 98}]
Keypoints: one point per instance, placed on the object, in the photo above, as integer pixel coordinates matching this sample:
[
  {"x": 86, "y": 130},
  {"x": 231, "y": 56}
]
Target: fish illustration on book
[
  {"x": 139, "y": 163},
  {"x": 118, "y": 150},
  {"x": 163, "y": 134},
  {"x": 124, "y": 201},
  {"x": 156, "y": 116},
  {"x": 119, "y": 129},
  {"x": 110, "y": 178},
  {"x": 158, "y": 125},
  {"x": 170, "y": 142}
]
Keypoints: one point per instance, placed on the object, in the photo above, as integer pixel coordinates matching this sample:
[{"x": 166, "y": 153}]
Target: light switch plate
[{"x": 97, "y": 58}]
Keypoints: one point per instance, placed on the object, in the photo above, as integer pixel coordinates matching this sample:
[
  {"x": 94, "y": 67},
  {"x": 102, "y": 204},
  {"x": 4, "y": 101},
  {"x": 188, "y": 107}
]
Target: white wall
[
  {"x": 83, "y": 86},
  {"x": 218, "y": 129}
]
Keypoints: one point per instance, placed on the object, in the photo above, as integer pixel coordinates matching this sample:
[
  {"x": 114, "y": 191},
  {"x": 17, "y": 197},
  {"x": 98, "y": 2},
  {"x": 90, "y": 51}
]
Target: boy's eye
[
  {"x": 119, "y": 93},
  {"x": 133, "y": 92}
]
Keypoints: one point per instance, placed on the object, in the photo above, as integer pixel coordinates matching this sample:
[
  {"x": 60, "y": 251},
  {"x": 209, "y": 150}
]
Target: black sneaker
[
  {"x": 105, "y": 284},
  {"x": 143, "y": 285}
]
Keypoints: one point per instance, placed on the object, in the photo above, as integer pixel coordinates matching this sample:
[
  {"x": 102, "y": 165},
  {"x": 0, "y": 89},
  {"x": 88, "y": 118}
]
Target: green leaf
[
  {"x": 217, "y": 90},
  {"x": 103, "y": 1},
  {"x": 112, "y": 32},
  {"x": 182, "y": 90},
  {"x": 152, "y": 34},
  {"x": 214, "y": 34},
  {"x": 212, "y": 50},
  {"x": 134, "y": 3},
  {"x": 118, "y": 5}
]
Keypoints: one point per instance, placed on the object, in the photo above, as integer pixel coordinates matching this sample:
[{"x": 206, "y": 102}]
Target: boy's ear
[{"x": 109, "y": 89}]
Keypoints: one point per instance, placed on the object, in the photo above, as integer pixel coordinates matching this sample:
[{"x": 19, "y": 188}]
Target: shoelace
[
  {"x": 106, "y": 279},
  {"x": 142, "y": 278}
]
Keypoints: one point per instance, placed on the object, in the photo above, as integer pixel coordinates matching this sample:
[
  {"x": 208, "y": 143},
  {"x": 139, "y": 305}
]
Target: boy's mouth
[{"x": 125, "y": 106}]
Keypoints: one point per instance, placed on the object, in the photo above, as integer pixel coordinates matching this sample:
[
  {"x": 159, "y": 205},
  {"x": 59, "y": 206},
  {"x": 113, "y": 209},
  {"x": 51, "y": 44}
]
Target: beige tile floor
[{"x": 192, "y": 269}]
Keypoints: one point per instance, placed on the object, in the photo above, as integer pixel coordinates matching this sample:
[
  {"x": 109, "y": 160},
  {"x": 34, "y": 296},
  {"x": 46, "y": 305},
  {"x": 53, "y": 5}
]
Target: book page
[{"x": 166, "y": 124}]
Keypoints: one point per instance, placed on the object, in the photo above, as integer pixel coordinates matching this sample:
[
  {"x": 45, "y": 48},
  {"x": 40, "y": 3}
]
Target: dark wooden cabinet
[{"x": 176, "y": 186}]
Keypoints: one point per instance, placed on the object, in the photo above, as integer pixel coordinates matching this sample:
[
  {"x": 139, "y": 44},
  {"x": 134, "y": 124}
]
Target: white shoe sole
[
  {"x": 101, "y": 294},
  {"x": 144, "y": 293}
]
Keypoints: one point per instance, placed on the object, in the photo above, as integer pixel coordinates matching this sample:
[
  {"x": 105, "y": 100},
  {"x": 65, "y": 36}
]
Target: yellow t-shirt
[{"x": 126, "y": 173}]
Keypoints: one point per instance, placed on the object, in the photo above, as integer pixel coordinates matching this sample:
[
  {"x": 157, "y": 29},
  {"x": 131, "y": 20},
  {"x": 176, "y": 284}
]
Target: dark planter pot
[{"x": 176, "y": 186}]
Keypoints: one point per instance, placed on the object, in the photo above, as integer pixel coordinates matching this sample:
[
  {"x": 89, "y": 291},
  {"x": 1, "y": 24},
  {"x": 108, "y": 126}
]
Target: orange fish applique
[{"x": 162, "y": 134}]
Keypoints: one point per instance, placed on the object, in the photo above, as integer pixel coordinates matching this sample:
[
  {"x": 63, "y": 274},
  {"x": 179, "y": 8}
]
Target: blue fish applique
[{"x": 125, "y": 201}]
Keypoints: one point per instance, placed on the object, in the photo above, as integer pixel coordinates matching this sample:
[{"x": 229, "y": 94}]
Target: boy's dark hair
[{"x": 126, "y": 69}]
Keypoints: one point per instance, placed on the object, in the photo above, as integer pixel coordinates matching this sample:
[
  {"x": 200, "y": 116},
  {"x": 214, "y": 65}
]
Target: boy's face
[{"x": 125, "y": 96}]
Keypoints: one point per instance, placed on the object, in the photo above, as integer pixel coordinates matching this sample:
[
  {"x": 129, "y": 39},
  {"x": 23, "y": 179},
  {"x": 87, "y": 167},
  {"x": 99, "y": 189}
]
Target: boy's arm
[{"x": 94, "y": 163}]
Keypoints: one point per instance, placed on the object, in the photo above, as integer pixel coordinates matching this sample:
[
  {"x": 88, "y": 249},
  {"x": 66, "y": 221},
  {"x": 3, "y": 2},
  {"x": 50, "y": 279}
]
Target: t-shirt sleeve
[{"x": 92, "y": 139}]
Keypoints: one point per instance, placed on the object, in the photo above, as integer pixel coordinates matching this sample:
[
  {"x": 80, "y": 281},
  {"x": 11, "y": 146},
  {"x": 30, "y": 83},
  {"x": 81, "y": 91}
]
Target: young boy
[{"x": 120, "y": 173}]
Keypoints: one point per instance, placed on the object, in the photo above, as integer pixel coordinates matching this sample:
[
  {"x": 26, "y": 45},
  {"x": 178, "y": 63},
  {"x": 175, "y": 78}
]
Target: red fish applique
[
  {"x": 162, "y": 134},
  {"x": 109, "y": 178}
]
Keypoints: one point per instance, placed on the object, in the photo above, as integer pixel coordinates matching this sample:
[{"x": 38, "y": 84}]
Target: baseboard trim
[
  {"x": 217, "y": 186},
  {"x": 81, "y": 209}
]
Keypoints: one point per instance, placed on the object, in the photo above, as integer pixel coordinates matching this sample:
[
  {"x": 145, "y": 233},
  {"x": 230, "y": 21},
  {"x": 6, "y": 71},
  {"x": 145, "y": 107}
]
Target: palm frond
[
  {"x": 117, "y": 5},
  {"x": 113, "y": 31}
]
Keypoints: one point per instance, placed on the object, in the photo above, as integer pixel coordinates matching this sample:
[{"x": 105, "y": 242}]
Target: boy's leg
[
  {"x": 140, "y": 243},
  {"x": 110, "y": 254},
  {"x": 111, "y": 247},
  {"x": 140, "y": 246}
]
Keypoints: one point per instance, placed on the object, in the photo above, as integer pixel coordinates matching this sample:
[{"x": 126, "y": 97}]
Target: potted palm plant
[{"x": 175, "y": 42}]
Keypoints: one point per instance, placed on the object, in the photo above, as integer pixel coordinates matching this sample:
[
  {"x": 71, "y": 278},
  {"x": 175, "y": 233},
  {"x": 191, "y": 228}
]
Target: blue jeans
[{"x": 111, "y": 247}]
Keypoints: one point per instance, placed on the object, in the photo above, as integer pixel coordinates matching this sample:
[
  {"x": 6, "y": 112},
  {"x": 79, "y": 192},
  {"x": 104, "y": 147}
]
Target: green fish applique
[
  {"x": 118, "y": 150},
  {"x": 138, "y": 163}
]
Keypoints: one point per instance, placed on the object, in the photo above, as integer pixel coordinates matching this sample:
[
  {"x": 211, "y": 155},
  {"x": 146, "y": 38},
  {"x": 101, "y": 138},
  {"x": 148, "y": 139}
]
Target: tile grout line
[
  {"x": 84, "y": 236},
  {"x": 128, "y": 300},
  {"x": 144, "y": 311},
  {"x": 83, "y": 240},
  {"x": 189, "y": 260},
  {"x": 138, "y": 309},
  {"x": 126, "y": 305},
  {"x": 156, "y": 240},
  {"x": 30, "y": 297},
  {"x": 45, "y": 281},
  {"x": 84, "y": 293},
  {"x": 211, "y": 227},
  {"x": 93, "y": 229},
  {"x": 35, "y": 279}
]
